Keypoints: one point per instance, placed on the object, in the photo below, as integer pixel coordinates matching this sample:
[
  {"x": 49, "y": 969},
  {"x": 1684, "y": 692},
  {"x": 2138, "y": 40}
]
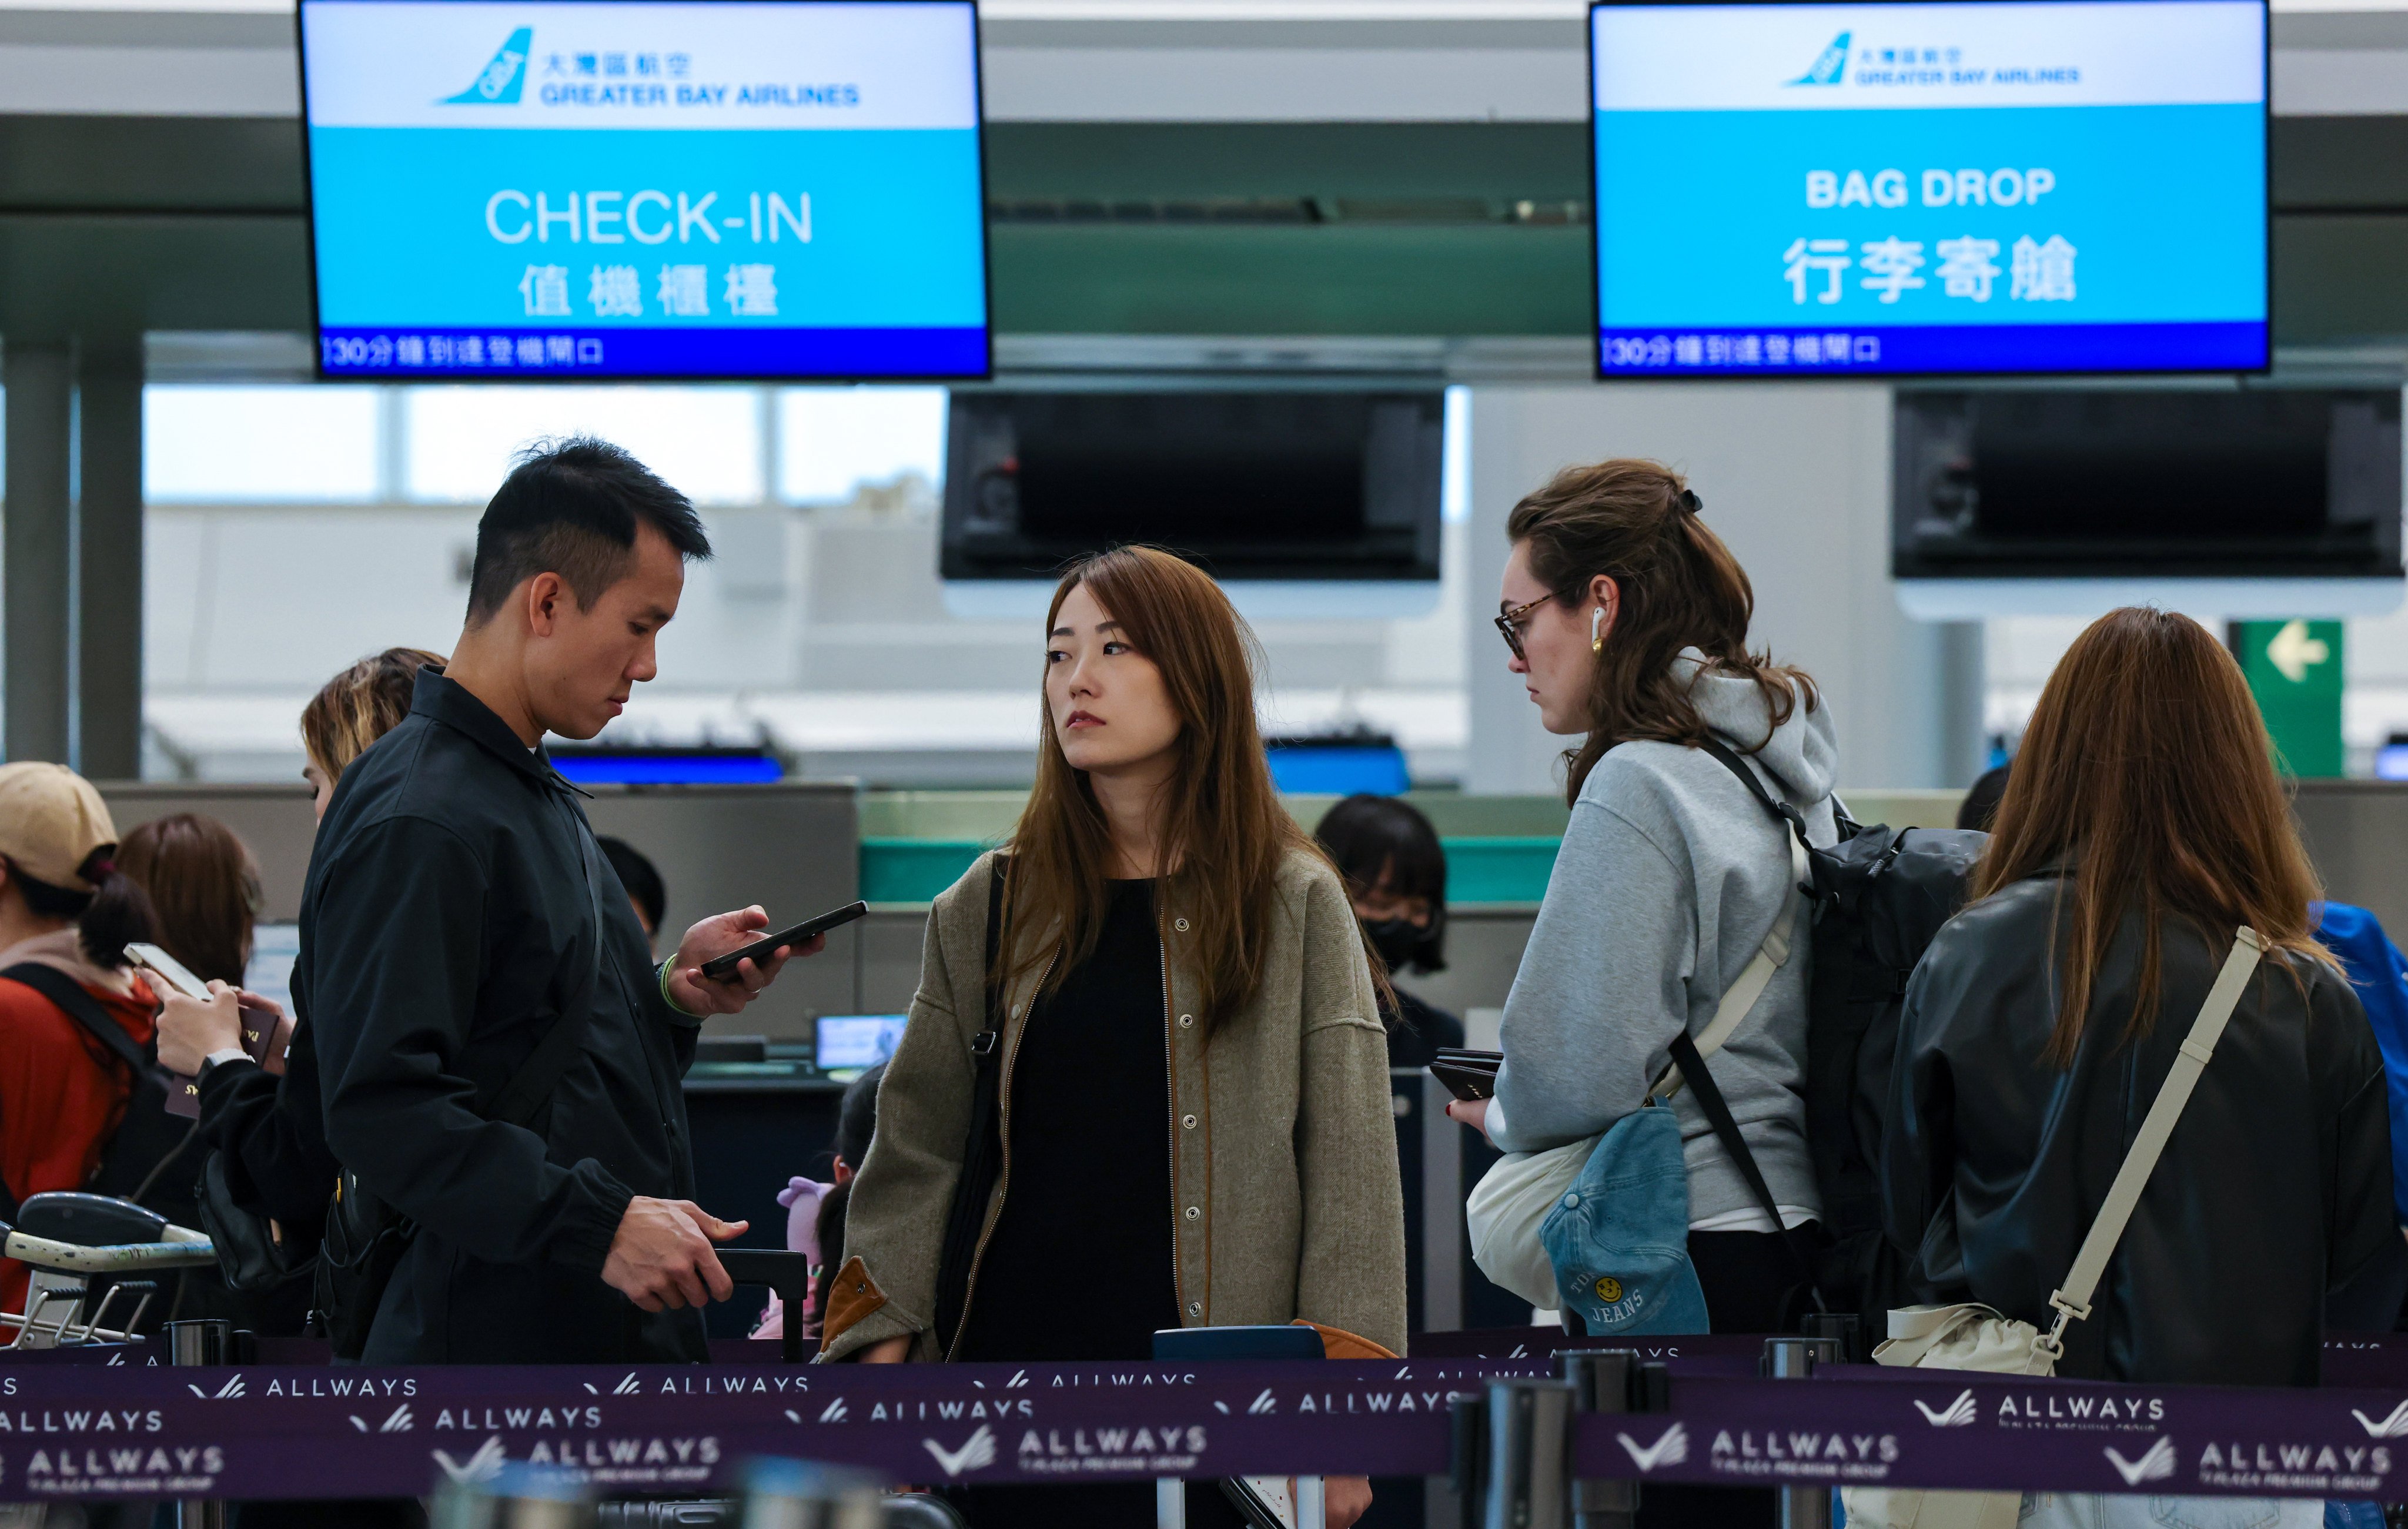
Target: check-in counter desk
[{"x": 757, "y": 1124}]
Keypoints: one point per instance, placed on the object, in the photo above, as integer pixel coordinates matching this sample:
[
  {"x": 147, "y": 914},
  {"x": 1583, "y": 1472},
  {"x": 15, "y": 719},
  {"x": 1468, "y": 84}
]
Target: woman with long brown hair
[
  {"x": 1628, "y": 620},
  {"x": 1195, "y": 1121},
  {"x": 2143, "y": 824}
]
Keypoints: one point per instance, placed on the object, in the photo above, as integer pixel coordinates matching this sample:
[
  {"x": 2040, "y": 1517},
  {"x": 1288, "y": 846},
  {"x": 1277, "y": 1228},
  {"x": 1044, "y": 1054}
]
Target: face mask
[{"x": 1395, "y": 940}]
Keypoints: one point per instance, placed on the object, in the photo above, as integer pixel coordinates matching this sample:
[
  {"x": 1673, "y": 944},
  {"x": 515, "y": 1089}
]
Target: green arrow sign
[{"x": 2295, "y": 670}]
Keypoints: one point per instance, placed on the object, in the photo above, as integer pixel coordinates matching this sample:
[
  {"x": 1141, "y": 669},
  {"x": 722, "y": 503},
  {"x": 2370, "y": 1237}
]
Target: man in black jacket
[{"x": 449, "y": 925}]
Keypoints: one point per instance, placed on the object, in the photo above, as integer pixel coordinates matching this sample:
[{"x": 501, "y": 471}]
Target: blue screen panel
[
  {"x": 669, "y": 769},
  {"x": 1339, "y": 769},
  {"x": 698, "y": 187},
  {"x": 2028, "y": 186}
]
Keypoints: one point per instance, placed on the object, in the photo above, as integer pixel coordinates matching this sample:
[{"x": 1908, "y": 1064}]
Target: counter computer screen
[
  {"x": 560, "y": 188},
  {"x": 1994, "y": 186}
]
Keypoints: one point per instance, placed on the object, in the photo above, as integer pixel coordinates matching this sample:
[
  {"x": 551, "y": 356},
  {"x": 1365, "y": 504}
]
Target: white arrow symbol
[{"x": 2295, "y": 653}]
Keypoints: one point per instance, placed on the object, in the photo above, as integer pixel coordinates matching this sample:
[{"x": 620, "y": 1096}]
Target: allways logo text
[{"x": 502, "y": 79}]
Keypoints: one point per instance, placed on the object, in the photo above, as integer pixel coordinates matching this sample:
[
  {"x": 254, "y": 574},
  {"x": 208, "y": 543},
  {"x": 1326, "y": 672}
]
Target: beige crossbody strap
[
  {"x": 2072, "y": 1301},
  {"x": 1741, "y": 996}
]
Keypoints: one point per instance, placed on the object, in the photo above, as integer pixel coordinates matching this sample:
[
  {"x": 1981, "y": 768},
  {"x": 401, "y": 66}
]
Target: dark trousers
[{"x": 1750, "y": 1288}]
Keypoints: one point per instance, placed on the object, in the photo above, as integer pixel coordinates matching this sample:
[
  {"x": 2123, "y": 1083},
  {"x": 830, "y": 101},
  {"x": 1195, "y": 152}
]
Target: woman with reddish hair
[{"x": 2143, "y": 825}]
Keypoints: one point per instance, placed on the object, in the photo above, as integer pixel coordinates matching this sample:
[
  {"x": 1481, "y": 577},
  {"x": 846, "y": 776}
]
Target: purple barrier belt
[
  {"x": 1856, "y": 1426},
  {"x": 101, "y": 1431},
  {"x": 98, "y": 1432}
]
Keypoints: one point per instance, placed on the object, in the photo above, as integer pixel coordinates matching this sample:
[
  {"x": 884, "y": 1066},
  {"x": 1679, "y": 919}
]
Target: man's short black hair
[{"x": 570, "y": 508}]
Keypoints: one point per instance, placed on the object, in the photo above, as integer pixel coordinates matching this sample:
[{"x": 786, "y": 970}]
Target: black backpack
[
  {"x": 146, "y": 1159},
  {"x": 1879, "y": 896}
]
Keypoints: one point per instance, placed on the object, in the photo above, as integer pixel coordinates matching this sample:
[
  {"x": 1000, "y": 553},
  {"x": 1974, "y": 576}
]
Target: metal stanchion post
[
  {"x": 1842, "y": 1328},
  {"x": 207, "y": 1342},
  {"x": 1529, "y": 1454},
  {"x": 1603, "y": 1381},
  {"x": 1794, "y": 1359}
]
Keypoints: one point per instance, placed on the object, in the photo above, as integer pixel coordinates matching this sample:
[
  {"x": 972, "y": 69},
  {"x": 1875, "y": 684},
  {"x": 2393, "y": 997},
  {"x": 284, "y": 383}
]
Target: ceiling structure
[{"x": 1166, "y": 168}]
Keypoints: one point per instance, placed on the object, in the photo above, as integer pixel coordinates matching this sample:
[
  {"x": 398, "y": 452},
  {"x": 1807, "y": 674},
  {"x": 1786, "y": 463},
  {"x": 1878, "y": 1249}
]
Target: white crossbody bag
[
  {"x": 1513, "y": 1198},
  {"x": 1968, "y": 1336}
]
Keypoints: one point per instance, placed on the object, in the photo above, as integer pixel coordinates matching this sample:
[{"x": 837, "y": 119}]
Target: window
[
  {"x": 703, "y": 441},
  {"x": 834, "y": 441},
  {"x": 253, "y": 444}
]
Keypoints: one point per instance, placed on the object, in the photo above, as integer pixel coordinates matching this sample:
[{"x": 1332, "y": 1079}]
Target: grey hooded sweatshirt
[{"x": 1669, "y": 877}]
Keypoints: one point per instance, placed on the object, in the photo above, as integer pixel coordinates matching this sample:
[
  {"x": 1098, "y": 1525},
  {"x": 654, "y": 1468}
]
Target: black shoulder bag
[
  {"x": 982, "y": 1150},
  {"x": 147, "y": 1140},
  {"x": 365, "y": 1237}
]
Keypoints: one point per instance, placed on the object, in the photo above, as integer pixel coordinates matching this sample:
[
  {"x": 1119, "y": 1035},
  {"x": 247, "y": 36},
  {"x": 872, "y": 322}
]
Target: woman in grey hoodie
[{"x": 1628, "y": 620}]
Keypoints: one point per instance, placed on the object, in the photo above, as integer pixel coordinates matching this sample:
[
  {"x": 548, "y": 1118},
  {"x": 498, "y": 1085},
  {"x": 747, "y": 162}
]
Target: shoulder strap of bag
[
  {"x": 1717, "y": 1111},
  {"x": 1689, "y": 1055},
  {"x": 981, "y": 1144},
  {"x": 2073, "y": 1300},
  {"x": 561, "y": 1046},
  {"x": 83, "y": 1008},
  {"x": 80, "y": 1006},
  {"x": 1741, "y": 996}
]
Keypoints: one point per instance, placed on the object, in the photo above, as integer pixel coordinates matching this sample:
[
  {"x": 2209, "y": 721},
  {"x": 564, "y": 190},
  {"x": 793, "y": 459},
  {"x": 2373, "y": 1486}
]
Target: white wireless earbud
[{"x": 1596, "y": 629}]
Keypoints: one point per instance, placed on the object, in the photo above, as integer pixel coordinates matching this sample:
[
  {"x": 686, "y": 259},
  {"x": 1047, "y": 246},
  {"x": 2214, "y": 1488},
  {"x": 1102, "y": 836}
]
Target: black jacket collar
[{"x": 445, "y": 700}]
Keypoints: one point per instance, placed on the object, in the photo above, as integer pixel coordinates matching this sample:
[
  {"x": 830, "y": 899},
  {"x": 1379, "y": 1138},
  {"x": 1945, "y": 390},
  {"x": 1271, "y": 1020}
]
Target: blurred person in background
[
  {"x": 815, "y": 1212},
  {"x": 646, "y": 891},
  {"x": 268, "y": 1124},
  {"x": 1980, "y": 808},
  {"x": 204, "y": 897},
  {"x": 2143, "y": 824},
  {"x": 1185, "y": 1003},
  {"x": 204, "y": 888},
  {"x": 66, "y": 915},
  {"x": 1395, "y": 877}
]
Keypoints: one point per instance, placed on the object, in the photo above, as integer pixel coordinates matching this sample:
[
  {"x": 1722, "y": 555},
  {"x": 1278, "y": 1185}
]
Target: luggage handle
[{"x": 788, "y": 1274}]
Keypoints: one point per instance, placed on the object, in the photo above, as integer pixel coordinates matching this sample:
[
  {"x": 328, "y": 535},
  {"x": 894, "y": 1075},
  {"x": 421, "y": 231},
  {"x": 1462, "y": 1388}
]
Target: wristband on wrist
[{"x": 665, "y": 969}]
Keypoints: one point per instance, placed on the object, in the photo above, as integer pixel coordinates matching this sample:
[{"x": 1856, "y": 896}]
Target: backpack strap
[
  {"x": 1741, "y": 996},
  {"x": 72, "y": 1000},
  {"x": 1689, "y": 1055},
  {"x": 2073, "y": 1299},
  {"x": 76, "y": 1003}
]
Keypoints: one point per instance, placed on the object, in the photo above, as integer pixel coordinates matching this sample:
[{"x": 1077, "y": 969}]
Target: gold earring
[{"x": 1595, "y": 634}]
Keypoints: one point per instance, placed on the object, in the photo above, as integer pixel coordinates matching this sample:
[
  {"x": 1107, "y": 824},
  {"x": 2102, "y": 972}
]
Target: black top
[
  {"x": 1080, "y": 1263},
  {"x": 1416, "y": 1030},
  {"x": 2275, "y": 1187},
  {"x": 445, "y": 920}
]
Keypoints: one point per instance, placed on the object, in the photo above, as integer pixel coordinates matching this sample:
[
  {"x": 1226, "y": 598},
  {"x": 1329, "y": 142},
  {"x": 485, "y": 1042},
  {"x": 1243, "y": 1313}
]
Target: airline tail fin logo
[
  {"x": 500, "y": 83},
  {"x": 1830, "y": 64}
]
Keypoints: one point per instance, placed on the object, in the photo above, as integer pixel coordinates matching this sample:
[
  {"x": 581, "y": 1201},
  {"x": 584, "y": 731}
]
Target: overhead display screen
[
  {"x": 1994, "y": 186},
  {"x": 694, "y": 189}
]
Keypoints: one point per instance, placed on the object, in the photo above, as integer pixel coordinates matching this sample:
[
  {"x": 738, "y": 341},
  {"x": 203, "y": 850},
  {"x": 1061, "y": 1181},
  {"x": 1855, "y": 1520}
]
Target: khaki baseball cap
[{"x": 51, "y": 821}]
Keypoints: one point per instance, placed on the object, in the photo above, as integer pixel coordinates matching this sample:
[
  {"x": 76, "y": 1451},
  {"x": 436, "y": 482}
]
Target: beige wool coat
[{"x": 1284, "y": 1198}]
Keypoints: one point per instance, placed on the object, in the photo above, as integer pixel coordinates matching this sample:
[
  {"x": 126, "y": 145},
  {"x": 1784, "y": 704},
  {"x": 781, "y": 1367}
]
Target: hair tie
[{"x": 1688, "y": 500}]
